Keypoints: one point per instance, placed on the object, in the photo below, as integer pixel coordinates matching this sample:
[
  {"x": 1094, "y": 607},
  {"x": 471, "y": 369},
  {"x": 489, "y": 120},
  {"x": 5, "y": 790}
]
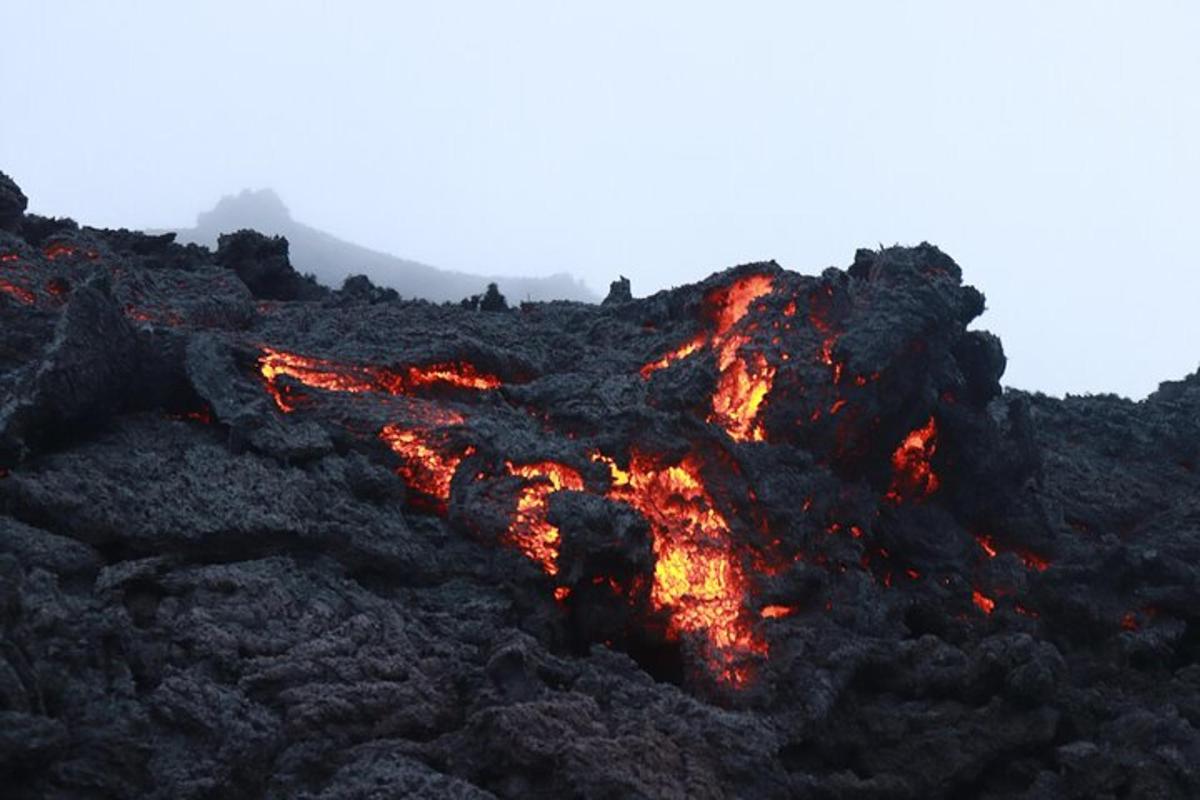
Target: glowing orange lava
[
  {"x": 740, "y": 393},
  {"x": 59, "y": 250},
  {"x": 913, "y": 477},
  {"x": 321, "y": 373},
  {"x": 427, "y": 463},
  {"x": 984, "y": 603},
  {"x": 744, "y": 383},
  {"x": 19, "y": 293},
  {"x": 986, "y": 543},
  {"x": 1030, "y": 560},
  {"x": 775, "y": 612},
  {"x": 531, "y": 531},
  {"x": 698, "y": 578},
  {"x": 678, "y": 354}
]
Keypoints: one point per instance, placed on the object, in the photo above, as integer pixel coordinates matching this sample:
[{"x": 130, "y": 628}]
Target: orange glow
[
  {"x": 678, "y": 354},
  {"x": 561, "y": 593},
  {"x": 732, "y": 303},
  {"x": 425, "y": 466},
  {"x": 740, "y": 393},
  {"x": 1025, "y": 612},
  {"x": 983, "y": 602},
  {"x": 913, "y": 477},
  {"x": 986, "y": 543},
  {"x": 314, "y": 372},
  {"x": 10, "y": 257},
  {"x": 59, "y": 250},
  {"x": 463, "y": 375},
  {"x": 19, "y": 293},
  {"x": 698, "y": 578},
  {"x": 55, "y": 251},
  {"x": 742, "y": 386},
  {"x": 530, "y": 531},
  {"x": 57, "y": 287},
  {"x": 202, "y": 415},
  {"x": 1033, "y": 562},
  {"x": 1030, "y": 560},
  {"x": 775, "y": 612},
  {"x": 321, "y": 373}
]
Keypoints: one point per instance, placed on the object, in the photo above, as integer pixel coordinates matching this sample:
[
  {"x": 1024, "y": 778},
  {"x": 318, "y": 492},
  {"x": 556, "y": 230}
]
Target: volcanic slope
[{"x": 767, "y": 535}]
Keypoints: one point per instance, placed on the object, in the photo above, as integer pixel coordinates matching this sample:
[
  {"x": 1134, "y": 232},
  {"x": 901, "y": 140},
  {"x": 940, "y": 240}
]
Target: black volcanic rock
[
  {"x": 768, "y": 535},
  {"x": 261, "y": 262},
  {"x": 12, "y": 203},
  {"x": 619, "y": 292}
]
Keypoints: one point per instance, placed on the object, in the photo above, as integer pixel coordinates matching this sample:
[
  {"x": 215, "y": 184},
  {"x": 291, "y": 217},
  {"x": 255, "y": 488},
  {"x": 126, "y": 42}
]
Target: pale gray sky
[{"x": 1052, "y": 148}]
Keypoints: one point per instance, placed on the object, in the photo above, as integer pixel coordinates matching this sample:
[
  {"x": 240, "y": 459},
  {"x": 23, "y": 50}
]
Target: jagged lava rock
[{"x": 767, "y": 535}]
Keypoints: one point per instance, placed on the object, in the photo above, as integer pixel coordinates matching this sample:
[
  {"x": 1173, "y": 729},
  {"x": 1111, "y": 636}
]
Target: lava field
[{"x": 767, "y": 535}]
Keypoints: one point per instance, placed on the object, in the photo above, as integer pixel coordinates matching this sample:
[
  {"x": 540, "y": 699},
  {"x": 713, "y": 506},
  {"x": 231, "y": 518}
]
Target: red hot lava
[
  {"x": 330, "y": 376},
  {"x": 698, "y": 576},
  {"x": 19, "y": 293},
  {"x": 984, "y": 603},
  {"x": 427, "y": 462},
  {"x": 913, "y": 477},
  {"x": 530, "y": 530},
  {"x": 1030, "y": 560},
  {"x": 745, "y": 381}
]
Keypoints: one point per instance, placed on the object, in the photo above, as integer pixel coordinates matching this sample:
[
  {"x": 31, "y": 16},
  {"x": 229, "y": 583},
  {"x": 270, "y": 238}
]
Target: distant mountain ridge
[{"x": 332, "y": 259}]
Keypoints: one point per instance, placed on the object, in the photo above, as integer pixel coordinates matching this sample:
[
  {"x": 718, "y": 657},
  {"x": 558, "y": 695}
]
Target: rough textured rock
[
  {"x": 769, "y": 535},
  {"x": 262, "y": 264},
  {"x": 12, "y": 203}
]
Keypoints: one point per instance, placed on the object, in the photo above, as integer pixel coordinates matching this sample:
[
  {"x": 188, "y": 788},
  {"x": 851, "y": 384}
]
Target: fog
[{"x": 1052, "y": 149}]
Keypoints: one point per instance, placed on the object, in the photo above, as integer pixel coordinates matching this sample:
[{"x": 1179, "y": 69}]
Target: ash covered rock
[{"x": 768, "y": 535}]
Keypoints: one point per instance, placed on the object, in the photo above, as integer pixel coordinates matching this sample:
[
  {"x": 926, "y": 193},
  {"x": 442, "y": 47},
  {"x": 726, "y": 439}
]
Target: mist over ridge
[{"x": 332, "y": 259}]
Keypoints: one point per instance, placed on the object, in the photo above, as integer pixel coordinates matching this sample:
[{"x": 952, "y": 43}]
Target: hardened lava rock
[{"x": 768, "y": 535}]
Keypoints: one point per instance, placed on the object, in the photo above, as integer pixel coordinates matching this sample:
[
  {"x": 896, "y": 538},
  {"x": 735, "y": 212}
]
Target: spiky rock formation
[{"x": 769, "y": 535}]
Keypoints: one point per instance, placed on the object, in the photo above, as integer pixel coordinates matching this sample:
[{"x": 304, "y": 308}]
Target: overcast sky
[{"x": 1052, "y": 148}]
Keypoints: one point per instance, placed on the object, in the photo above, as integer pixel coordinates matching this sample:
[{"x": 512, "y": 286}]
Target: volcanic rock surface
[{"x": 768, "y": 535}]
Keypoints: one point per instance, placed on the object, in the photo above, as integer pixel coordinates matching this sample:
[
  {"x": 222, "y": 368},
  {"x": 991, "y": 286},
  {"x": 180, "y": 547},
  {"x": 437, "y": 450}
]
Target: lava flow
[
  {"x": 330, "y": 376},
  {"x": 744, "y": 383},
  {"x": 698, "y": 576},
  {"x": 427, "y": 462},
  {"x": 530, "y": 530},
  {"x": 19, "y": 293},
  {"x": 913, "y": 477}
]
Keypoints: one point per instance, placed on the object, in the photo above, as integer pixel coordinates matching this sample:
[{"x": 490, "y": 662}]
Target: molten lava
[
  {"x": 984, "y": 603},
  {"x": 740, "y": 393},
  {"x": 530, "y": 531},
  {"x": 744, "y": 382},
  {"x": 330, "y": 376},
  {"x": 59, "y": 250},
  {"x": 698, "y": 576},
  {"x": 678, "y": 354},
  {"x": 313, "y": 372},
  {"x": 19, "y": 293},
  {"x": 1030, "y": 560},
  {"x": 913, "y": 477},
  {"x": 428, "y": 463}
]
